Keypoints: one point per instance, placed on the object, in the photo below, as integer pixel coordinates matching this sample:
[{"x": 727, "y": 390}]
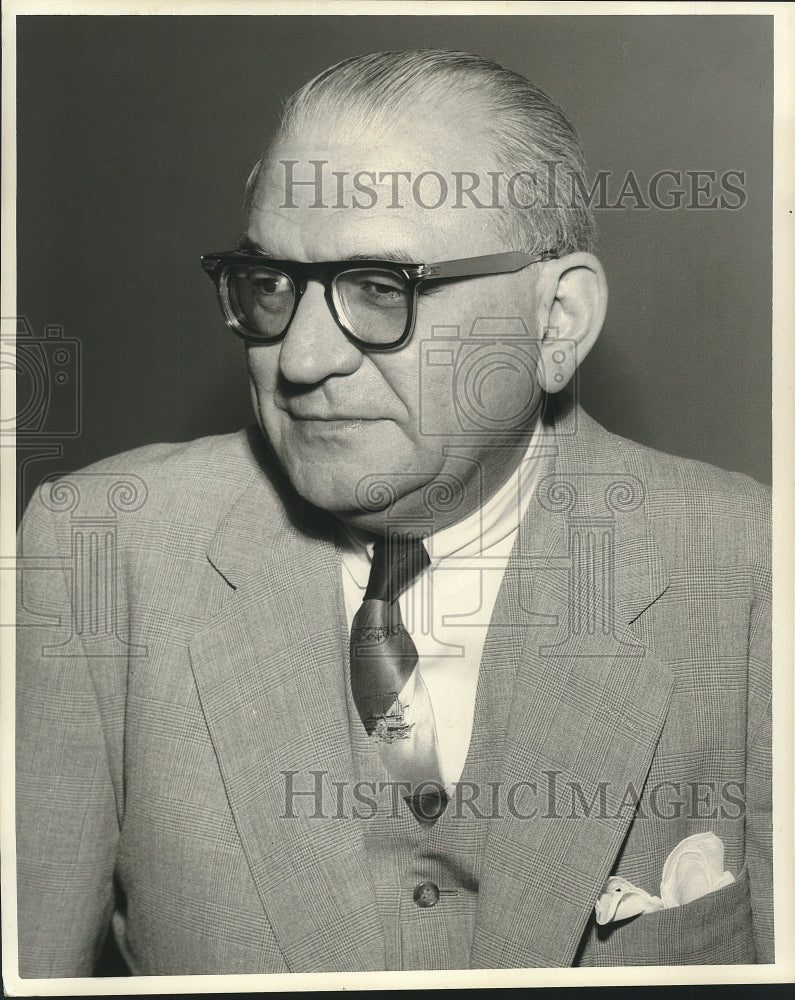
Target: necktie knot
[{"x": 397, "y": 561}]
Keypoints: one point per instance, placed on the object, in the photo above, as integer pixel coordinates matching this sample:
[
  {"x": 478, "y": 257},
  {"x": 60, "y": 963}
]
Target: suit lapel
[
  {"x": 587, "y": 708},
  {"x": 270, "y": 675}
]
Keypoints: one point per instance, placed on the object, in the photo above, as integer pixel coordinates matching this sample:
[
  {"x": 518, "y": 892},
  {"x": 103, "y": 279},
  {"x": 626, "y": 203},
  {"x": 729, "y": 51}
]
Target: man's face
[{"x": 341, "y": 420}]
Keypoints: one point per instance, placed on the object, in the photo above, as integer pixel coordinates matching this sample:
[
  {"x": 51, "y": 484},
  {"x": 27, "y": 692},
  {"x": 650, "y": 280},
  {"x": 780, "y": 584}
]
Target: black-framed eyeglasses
[{"x": 374, "y": 302}]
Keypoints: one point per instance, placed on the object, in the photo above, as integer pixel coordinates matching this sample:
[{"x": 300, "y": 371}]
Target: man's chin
[{"x": 358, "y": 497}]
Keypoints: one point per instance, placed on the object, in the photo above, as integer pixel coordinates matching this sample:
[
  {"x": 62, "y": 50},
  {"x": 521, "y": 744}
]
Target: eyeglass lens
[{"x": 374, "y": 304}]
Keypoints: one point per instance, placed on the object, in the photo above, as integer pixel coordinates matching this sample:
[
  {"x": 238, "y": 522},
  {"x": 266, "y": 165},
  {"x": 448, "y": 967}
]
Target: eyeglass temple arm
[{"x": 490, "y": 264}]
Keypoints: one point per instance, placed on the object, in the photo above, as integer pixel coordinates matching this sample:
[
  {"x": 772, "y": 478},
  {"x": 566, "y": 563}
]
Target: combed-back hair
[{"x": 522, "y": 128}]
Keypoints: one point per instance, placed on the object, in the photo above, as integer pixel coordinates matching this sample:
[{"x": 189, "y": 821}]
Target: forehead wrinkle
[
  {"x": 367, "y": 237},
  {"x": 401, "y": 256}
]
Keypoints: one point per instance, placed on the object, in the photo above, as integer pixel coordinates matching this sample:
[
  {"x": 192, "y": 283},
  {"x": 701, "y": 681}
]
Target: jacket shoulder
[
  {"x": 217, "y": 453},
  {"x": 664, "y": 473},
  {"x": 702, "y": 505},
  {"x": 193, "y": 482},
  {"x": 695, "y": 511},
  {"x": 587, "y": 445}
]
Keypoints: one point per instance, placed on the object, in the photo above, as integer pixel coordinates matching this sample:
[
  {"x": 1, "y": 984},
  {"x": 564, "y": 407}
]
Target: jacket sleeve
[
  {"x": 759, "y": 805},
  {"x": 66, "y": 814}
]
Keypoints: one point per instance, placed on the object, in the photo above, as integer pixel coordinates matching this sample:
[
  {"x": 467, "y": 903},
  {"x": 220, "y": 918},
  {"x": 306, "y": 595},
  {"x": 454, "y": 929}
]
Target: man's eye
[
  {"x": 380, "y": 290},
  {"x": 374, "y": 289},
  {"x": 268, "y": 284}
]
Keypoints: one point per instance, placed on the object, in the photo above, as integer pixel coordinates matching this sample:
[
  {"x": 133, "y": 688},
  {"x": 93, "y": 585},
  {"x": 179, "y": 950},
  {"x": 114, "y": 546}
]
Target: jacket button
[{"x": 426, "y": 894}]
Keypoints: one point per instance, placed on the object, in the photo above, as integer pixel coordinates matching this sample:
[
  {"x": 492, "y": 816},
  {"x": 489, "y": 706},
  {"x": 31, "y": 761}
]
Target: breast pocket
[{"x": 714, "y": 930}]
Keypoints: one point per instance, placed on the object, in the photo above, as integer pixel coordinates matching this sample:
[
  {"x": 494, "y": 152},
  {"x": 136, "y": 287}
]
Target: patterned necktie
[{"x": 386, "y": 683}]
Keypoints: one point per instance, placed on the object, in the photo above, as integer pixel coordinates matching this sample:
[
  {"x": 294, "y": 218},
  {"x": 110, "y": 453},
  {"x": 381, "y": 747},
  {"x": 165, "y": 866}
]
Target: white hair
[{"x": 520, "y": 125}]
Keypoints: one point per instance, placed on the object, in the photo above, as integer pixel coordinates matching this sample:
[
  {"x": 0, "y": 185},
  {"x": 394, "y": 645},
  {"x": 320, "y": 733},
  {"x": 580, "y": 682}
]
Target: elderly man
[{"x": 433, "y": 672}]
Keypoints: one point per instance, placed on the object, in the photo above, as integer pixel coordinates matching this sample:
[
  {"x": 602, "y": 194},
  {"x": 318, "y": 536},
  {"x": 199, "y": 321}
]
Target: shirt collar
[{"x": 497, "y": 518}]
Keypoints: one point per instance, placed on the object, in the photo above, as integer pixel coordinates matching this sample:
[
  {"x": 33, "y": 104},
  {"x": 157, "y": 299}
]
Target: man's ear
[{"x": 572, "y": 301}]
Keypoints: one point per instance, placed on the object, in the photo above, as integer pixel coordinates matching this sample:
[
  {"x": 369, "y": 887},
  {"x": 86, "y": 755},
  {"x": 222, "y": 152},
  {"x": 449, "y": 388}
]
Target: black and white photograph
[{"x": 387, "y": 444}]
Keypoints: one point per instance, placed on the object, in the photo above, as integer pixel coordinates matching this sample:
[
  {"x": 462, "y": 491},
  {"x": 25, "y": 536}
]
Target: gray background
[{"x": 136, "y": 135}]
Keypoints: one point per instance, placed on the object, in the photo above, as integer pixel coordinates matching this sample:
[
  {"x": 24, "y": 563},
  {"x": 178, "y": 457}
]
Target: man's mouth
[
  {"x": 322, "y": 415},
  {"x": 334, "y": 418},
  {"x": 325, "y": 425}
]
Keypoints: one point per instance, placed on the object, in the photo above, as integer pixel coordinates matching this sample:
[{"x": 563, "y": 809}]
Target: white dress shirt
[{"x": 447, "y": 609}]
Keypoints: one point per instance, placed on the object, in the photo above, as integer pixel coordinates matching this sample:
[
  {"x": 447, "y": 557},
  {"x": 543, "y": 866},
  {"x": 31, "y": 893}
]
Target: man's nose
[{"x": 314, "y": 346}]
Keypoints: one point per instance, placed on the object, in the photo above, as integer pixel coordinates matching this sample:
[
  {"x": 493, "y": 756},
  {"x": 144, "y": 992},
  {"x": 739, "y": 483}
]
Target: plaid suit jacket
[{"x": 181, "y": 647}]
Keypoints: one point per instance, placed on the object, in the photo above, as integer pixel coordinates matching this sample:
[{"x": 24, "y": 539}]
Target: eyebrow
[
  {"x": 399, "y": 256},
  {"x": 243, "y": 242}
]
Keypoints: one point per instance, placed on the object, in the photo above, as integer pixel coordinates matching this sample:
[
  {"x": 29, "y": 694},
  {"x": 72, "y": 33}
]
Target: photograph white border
[{"x": 783, "y": 508}]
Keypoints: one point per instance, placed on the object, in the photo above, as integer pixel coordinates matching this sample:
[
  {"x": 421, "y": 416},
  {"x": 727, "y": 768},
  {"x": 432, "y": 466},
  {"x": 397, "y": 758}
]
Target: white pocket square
[{"x": 693, "y": 869}]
